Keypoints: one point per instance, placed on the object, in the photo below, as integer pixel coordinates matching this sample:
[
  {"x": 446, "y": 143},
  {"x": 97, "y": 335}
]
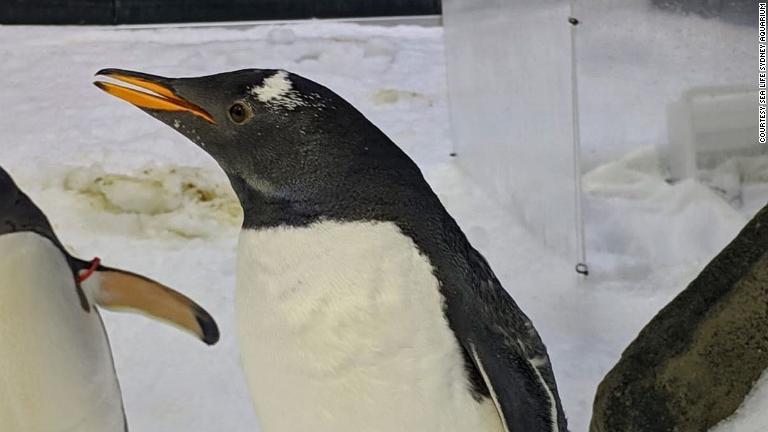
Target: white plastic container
[{"x": 708, "y": 126}]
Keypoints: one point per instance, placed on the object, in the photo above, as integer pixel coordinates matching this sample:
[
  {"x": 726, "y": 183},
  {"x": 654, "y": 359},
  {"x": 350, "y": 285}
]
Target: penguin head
[
  {"x": 273, "y": 132},
  {"x": 18, "y": 213}
]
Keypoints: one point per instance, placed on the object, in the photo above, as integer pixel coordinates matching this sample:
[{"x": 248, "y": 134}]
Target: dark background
[{"x": 176, "y": 11}]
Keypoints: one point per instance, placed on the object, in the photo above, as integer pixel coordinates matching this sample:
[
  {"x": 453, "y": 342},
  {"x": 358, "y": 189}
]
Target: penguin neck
[
  {"x": 389, "y": 199},
  {"x": 263, "y": 210},
  {"x": 326, "y": 196}
]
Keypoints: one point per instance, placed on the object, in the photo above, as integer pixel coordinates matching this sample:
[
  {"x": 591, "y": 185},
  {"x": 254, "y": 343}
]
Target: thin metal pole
[{"x": 581, "y": 249}]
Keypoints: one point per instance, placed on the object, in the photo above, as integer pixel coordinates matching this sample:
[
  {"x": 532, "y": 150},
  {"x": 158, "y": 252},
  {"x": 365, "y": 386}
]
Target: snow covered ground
[{"x": 119, "y": 185}]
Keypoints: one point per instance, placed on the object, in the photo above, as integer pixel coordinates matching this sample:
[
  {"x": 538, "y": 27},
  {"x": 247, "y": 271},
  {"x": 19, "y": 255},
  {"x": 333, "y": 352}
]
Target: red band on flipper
[{"x": 90, "y": 271}]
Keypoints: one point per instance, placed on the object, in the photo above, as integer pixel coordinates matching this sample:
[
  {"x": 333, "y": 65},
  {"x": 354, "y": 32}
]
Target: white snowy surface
[
  {"x": 120, "y": 185},
  {"x": 752, "y": 415}
]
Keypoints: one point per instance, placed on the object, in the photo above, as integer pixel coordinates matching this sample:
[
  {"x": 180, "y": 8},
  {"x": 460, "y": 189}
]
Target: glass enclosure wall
[
  {"x": 509, "y": 74},
  {"x": 638, "y": 58},
  {"x": 677, "y": 78}
]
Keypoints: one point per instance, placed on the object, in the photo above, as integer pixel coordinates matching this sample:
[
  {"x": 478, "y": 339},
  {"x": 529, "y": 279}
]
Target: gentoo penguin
[
  {"x": 361, "y": 306},
  {"x": 56, "y": 369}
]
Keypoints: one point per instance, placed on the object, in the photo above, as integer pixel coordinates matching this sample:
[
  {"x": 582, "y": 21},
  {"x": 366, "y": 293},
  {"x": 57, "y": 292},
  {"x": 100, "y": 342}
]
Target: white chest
[
  {"x": 342, "y": 329},
  {"x": 56, "y": 371}
]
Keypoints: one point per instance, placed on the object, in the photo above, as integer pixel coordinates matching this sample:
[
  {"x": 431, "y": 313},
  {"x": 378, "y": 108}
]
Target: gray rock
[{"x": 696, "y": 361}]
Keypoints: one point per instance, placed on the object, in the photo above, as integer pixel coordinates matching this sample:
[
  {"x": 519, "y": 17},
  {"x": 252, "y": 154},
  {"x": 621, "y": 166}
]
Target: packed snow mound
[
  {"x": 281, "y": 36},
  {"x": 394, "y": 96},
  {"x": 639, "y": 222},
  {"x": 186, "y": 201},
  {"x": 742, "y": 181}
]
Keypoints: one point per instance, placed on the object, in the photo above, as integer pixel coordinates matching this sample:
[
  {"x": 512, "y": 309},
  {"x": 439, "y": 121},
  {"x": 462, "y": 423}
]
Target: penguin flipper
[
  {"x": 119, "y": 290},
  {"x": 523, "y": 398},
  {"x": 506, "y": 352}
]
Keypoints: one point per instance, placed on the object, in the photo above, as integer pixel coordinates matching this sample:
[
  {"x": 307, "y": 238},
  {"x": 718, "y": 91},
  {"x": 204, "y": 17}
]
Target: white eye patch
[{"x": 278, "y": 91}]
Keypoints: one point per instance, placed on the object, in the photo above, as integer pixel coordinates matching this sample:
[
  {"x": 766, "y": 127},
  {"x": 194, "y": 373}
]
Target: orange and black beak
[{"x": 158, "y": 95}]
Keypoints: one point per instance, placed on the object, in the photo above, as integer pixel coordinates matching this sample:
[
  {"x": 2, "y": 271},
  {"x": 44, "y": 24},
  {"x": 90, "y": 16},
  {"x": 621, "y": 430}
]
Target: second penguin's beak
[{"x": 159, "y": 96}]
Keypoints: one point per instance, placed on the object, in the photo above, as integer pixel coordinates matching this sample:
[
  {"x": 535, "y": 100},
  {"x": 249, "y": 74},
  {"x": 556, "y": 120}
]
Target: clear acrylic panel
[
  {"x": 509, "y": 76},
  {"x": 677, "y": 75},
  {"x": 643, "y": 65}
]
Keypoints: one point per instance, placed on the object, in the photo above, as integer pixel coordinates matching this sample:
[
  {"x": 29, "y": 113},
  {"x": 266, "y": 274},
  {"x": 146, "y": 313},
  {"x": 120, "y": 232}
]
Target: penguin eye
[{"x": 239, "y": 113}]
